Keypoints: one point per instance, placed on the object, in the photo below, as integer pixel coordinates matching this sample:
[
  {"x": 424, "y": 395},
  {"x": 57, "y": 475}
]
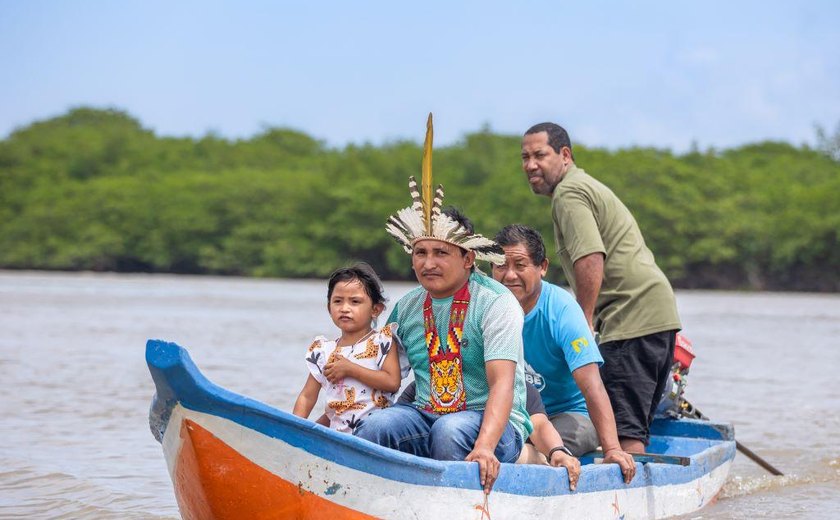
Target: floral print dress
[{"x": 349, "y": 401}]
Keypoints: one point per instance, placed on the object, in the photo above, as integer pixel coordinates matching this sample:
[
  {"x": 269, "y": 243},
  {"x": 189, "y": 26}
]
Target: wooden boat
[{"x": 233, "y": 457}]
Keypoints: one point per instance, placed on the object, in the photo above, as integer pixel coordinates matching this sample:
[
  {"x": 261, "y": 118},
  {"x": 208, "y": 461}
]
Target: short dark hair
[
  {"x": 558, "y": 137},
  {"x": 366, "y": 276},
  {"x": 456, "y": 215},
  {"x": 517, "y": 234}
]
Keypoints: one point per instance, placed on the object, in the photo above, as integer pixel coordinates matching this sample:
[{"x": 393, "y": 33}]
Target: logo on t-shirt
[
  {"x": 579, "y": 344},
  {"x": 533, "y": 377}
]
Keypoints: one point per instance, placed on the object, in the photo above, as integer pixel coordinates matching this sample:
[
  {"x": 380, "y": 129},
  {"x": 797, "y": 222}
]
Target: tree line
[{"x": 94, "y": 190}]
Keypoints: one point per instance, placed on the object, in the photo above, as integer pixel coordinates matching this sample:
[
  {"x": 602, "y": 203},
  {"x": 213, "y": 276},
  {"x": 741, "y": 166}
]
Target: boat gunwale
[{"x": 178, "y": 380}]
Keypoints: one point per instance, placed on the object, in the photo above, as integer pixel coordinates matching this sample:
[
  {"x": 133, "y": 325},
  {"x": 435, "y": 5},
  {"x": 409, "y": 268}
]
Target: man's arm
[
  {"x": 588, "y": 379},
  {"x": 545, "y": 437},
  {"x": 500, "y": 377},
  {"x": 589, "y": 273}
]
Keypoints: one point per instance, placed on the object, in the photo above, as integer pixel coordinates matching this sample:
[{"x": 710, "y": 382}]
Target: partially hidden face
[
  {"x": 543, "y": 166},
  {"x": 351, "y": 309},
  {"x": 440, "y": 267},
  {"x": 521, "y": 275}
]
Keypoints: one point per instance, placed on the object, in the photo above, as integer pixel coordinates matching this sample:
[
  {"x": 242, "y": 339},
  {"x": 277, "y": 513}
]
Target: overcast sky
[{"x": 662, "y": 74}]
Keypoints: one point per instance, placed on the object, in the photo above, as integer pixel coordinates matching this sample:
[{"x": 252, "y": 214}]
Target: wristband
[{"x": 559, "y": 448}]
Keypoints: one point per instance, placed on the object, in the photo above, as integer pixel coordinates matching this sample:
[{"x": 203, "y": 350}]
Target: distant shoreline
[
  {"x": 318, "y": 280},
  {"x": 93, "y": 190}
]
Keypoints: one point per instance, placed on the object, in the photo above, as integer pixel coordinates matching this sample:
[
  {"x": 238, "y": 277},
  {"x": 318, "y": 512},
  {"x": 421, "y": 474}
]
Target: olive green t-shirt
[{"x": 636, "y": 298}]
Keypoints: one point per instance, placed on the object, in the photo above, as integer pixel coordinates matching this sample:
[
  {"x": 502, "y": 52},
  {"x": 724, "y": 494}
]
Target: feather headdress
[{"x": 423, "y": 220}]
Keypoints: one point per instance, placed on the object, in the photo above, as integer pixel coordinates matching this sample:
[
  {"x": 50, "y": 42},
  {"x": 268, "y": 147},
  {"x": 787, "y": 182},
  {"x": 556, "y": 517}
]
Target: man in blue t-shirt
[{"x": 562, "y": 358}]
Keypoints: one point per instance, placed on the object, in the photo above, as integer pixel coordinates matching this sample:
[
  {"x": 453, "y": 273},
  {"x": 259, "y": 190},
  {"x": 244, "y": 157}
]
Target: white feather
[
  {"x": 444, "y": 227},
  {"x": 412, "y": 221},
  {"x": 493, "y": 258},
  {"x": 476, "y": 241}
]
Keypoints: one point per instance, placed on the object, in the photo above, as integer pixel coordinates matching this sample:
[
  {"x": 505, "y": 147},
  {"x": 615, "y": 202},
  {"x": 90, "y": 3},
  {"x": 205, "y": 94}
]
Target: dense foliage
[{"x": 94, "y": 190}]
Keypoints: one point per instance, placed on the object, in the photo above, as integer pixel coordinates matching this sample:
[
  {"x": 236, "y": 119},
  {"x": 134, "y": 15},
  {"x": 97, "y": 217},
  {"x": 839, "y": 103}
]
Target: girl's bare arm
[{"x": 307, "y": 398}]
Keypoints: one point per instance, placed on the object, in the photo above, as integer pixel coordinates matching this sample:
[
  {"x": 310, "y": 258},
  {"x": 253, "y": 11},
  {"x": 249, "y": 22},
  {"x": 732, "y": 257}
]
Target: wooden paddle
[{"x": 697, "y": 414}]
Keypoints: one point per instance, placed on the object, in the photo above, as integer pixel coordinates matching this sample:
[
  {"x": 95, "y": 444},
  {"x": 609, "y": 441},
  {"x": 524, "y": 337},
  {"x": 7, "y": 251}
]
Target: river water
[{"x": 76, "y": 391}]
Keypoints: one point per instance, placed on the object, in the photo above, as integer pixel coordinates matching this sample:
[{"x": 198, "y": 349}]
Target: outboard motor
[{"x": 673, "y": 405}]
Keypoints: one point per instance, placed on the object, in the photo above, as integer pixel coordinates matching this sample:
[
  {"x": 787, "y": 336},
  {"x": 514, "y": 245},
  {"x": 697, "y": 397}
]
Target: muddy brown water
[{"x": 76, "y": 391}]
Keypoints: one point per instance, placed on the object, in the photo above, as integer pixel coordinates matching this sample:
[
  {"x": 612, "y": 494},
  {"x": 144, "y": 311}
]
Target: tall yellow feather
[{"x": 426, "y": 192}]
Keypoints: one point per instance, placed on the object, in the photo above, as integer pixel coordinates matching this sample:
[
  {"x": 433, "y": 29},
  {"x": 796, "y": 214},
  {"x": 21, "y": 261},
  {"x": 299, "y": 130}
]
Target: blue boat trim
[
  {"x": 693, "y": 428},
  {"x": 178, "y": 380}
]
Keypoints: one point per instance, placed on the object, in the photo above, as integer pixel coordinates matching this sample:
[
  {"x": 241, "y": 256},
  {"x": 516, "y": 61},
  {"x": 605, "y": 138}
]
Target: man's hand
[
  {"x": 625, "y": 462},
  {"x": 340, "y": 368},
  {"x": 488, "y": 467},
  {"x": 572, "y": 465}
]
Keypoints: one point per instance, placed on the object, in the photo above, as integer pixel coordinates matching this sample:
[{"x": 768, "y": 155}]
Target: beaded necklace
[{"x": 447, "y": 392}]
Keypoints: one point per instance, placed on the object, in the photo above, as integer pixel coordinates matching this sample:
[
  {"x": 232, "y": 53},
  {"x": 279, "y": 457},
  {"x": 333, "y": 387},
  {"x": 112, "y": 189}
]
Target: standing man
[
  {"x": 462, "y": 332},
  {"x": 561, "y": 357},
  {"x": 625, "y": 297}
]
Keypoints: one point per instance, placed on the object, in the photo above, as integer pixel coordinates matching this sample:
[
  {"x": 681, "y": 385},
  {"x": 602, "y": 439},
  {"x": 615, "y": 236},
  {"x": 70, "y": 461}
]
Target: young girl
[{"x": 360, "y": 370}]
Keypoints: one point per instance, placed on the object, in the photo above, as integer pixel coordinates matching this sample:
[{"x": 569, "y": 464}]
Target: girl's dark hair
[{"x": 364, "y": 274}]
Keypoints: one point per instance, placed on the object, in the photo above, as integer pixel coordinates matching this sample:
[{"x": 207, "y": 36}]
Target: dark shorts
[
  {"x": 635, "y": 372},
  {"x": 577, "y": 431}
]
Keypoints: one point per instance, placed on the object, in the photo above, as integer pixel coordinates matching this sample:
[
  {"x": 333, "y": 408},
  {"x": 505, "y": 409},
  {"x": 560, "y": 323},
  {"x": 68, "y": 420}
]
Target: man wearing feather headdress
[{"x": 462, "y": 332}]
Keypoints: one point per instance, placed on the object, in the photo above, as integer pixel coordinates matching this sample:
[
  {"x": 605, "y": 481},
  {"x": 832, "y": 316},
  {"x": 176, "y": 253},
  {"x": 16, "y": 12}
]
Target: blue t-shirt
[{"x": 557, "y": 342}]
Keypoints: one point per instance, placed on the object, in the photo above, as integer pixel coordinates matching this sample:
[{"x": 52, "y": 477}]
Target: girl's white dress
[{"x": 350, "y": 401}]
